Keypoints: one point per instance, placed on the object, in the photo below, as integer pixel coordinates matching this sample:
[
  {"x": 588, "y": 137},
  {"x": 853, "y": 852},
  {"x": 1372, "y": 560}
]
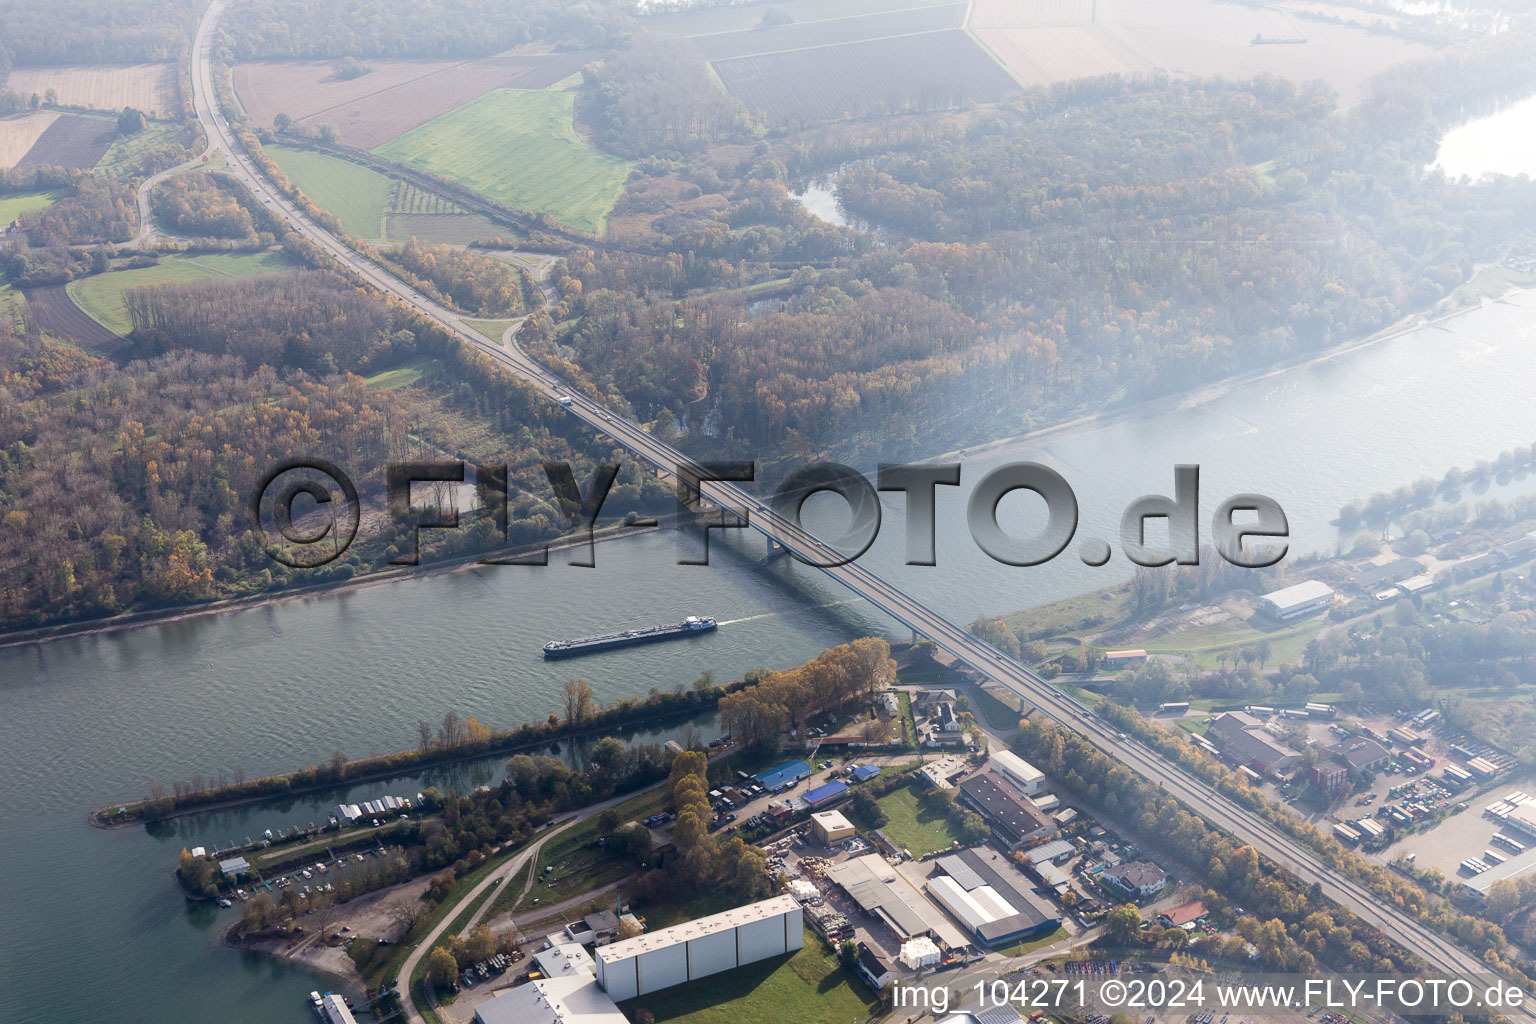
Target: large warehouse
[
  {"x": 995, "y": 909},
  {"x": 1018, "y": 771},
  {"x": 1295, "y": 601},
  {"x": 879, "y": 889},
  {"x": 686, "y": 952}
]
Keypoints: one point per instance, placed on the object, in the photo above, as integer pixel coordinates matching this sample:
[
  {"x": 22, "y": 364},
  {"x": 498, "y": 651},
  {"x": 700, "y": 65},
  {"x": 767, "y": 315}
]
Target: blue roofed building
[
  {"x": 786, "y": 774},
  {"x": 865, "y": 772},
  {"x": 825, "y": 792}
]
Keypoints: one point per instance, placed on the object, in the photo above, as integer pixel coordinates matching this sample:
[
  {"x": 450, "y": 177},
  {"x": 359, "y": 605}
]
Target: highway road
[{"x": 1437, "y": 951}]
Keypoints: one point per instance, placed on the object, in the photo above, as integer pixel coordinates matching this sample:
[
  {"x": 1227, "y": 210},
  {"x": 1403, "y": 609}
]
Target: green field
[
  {"x": 357, "y": 195},
  {"x": 124, "y": 157},
  {"x": 913, "y": 826},
  {"x": 101, "y": 295},
  {"x": 492, "y": 329},
  {"x": 520, "y": 149},
  {"x": 15, "y": 204},
  {"x": 807, "y": 987}
]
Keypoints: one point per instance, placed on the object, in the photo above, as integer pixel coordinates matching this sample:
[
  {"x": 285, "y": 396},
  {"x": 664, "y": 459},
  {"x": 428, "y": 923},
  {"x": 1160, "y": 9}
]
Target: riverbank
[
  {"x": 381, "y": 767},
  {"x": 1204, "y": 393},
  {"x": 161, "y": 616}
]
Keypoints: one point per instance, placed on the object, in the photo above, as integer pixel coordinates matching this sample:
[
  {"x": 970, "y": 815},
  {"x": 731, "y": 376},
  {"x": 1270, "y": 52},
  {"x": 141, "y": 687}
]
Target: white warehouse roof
[
  {"x": 711, "y": 925},
  {"x": 1298, "y": 595},
  {"x": 1021, "y": 770}
]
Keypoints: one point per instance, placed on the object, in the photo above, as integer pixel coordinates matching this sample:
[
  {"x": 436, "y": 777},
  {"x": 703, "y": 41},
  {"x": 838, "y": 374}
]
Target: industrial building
[
  {"x": 878, "y": 889},
  {"x": 831, "y": 826},
  {"x": 567, "y": 993},
  {"x": 1361, "y": 754},
  {"x": 994, "y": 909},
  {"x": 864, "y": 772},
  {"x": 697, "y": 949},
  {"x": 1014, "y": 818},
  {"x": 824, "y": 793},
  {"x": 1510, "y": 870},
  {"x": 1018, "y": 771},
  {"x": 784, "y": 776},
  {"x": 940, "y": 774},
  {"x": 1054, "y": 852},
  {"x": 1298, "y": 600},
  {"x": 1244, "y": 739},
  {"x": 1330, "y": 777}
]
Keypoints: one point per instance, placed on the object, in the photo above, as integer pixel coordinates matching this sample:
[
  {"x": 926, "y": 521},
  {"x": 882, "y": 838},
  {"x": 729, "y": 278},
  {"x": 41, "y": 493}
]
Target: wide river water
[{"x": 91, "y": 927}]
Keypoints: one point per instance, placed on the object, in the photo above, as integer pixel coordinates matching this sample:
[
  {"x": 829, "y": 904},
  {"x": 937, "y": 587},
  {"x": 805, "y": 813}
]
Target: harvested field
[
  {"x": 57, "y": 313},
  {"x": 725, "y": 45},
  {"x": 71, "y": 141},
  {"x": 19, "y": 134},
  {"x": 1046, "y": 54},
  {"x": 740, "y": 17},
  {"x": 519, "y": 149},
  {"x": 147, "y": 87},
  {"x": 926, "y": 70},
  {"x": 449, "y": 229},
  {"x": 1030, "y": 13},
  {"x": 397, "y": 96},
  {"x": 1044, "y": 41}
]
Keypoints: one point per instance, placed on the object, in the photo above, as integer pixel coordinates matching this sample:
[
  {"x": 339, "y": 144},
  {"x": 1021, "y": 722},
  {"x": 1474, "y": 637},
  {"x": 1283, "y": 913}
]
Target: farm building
[
  {"x": 1297, "y": 600},
  {"x": 697, "y": 949},
  {"x": 995, "y": 909},
  {"x": 1117, "y": 659},
  {"x": 825, "y": 793},
  {"x": 830, "y": 826},
  {"x": 1014, "y": 818},
  {"x": 1018, "y": 771}
]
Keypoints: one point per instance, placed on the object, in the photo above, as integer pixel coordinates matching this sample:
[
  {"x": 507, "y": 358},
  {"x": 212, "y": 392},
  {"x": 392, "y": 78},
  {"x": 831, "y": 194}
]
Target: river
[{"x": 93, "y": 929}]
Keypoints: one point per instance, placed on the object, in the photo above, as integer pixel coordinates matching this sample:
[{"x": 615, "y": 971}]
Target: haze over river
[{"x": 93, "y": 928}]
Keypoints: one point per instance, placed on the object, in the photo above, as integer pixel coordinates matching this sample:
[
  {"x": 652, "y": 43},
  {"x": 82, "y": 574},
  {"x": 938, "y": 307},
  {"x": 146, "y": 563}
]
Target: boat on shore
[{"x": 693, "y": 625}]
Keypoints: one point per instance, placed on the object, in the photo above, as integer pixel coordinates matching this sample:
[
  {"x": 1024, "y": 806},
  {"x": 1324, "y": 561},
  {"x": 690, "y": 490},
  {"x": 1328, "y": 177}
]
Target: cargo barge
[{"x": 691, "y": 626}]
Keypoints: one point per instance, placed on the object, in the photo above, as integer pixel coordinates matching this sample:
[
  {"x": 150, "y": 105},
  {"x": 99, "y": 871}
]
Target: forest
[
  {"x": 1084, "y": 245},
  {"x": 204, "y": 206},
  {"x": 134, "y": 475},
  {"x": 89, "y": 31},
  {"x": 479, "y": 285},
  {"x": 272, "y": 29}
]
